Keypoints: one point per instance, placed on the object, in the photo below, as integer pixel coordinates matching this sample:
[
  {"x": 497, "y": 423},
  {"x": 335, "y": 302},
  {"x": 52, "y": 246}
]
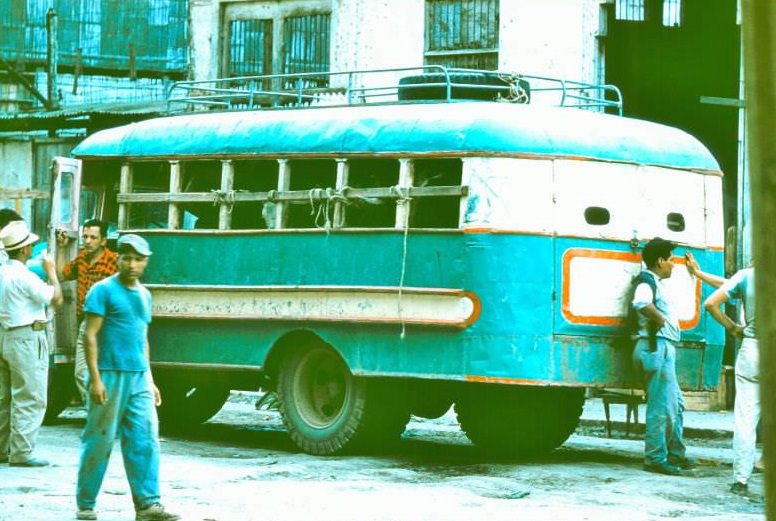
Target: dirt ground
[{"x": 242, "y": 466}]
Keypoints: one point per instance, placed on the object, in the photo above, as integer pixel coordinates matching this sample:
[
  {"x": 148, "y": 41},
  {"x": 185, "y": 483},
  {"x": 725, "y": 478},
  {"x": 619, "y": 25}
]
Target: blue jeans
[
  {"x": 665, "y": 405},
  {"x": 130, "y": 413}
]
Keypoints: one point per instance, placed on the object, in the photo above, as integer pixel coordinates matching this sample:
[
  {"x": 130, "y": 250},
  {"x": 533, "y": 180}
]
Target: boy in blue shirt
[{"x": 122, "y": 395}]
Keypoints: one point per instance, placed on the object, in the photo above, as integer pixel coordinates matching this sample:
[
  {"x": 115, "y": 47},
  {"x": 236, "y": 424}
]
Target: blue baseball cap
[{"x": 135, "y": 242}]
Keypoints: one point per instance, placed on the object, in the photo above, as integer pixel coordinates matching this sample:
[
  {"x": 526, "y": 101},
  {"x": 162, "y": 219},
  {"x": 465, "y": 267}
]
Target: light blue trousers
[
  {"x": 129, "y": 413},
  {"x": 665, "y": 405}
]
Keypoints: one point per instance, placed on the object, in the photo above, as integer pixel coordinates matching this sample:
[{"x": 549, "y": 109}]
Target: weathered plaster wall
[
  {"x": 542, "y": 37},
  {"x": 550, "y": 38}
]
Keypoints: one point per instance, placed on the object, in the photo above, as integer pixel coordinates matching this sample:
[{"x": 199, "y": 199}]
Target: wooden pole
[
  {"x": 52, "y": 59},
  {"x": 758, "y": 23}
]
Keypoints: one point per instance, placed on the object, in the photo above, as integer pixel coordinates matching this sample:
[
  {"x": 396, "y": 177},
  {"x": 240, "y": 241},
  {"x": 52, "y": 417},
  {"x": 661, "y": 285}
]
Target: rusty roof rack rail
[{"x": 396, "y": 85}]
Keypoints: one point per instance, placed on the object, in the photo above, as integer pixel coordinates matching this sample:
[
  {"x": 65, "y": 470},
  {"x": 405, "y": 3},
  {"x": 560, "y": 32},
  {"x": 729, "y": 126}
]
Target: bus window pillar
[
  {"x": 173, "y": 211},
  {"x": 406, "y": 179},
  {"x": 284, "y": 183},
  {"x": 466, "y": 177},
  {"x": 125, "y": 188},
  {"x": 227, "y": 185},
  {"x": 342, "y": 182}
]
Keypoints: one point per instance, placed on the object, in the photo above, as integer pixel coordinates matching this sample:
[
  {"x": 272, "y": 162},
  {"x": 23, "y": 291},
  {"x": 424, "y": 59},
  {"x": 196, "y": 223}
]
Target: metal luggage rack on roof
[{"x": 387, "y": 86}]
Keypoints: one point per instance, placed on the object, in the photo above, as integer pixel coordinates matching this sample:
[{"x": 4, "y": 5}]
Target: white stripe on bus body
[{"x": 362, "y": 304}]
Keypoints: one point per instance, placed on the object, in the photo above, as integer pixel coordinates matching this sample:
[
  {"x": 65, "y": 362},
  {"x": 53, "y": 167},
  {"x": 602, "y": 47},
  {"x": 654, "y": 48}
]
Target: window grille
[
  {"x": 103, "y": 32},
  {"x": 307, "y": 42},
  {"x": 250, "y": 47},
  {"x": 462, "y": 33},
  {"x": 672, "y": 13},
  {"x": 632, "y": 10}
]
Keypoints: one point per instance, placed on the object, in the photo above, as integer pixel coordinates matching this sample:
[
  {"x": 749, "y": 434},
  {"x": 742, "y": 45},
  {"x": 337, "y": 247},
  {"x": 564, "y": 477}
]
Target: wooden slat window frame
[{"x": 226, "y": 197}]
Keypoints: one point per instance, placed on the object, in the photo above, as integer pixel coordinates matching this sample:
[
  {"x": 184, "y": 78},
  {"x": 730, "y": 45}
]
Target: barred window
[
  {"x": 307, "y": 40},
  {"x": 672, "y": 13},
  {"x": 250, "y": 47},
  {"x": 99, "y": 33},
  {"x": 462, "y": 33},
  {"x": 632, "y": 10}
]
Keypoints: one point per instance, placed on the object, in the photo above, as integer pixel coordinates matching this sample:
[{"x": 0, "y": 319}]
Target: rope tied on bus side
[
  {"x": 403, "y": 201},
  {"x": 223, "y": 197},
  {"x": 517, "y": 93},
  {"x": 321, "y": 206}
]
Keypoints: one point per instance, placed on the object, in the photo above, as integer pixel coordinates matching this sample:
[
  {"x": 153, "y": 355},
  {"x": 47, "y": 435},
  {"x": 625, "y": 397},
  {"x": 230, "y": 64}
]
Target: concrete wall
[
  {"x": 550, "y": 38},
  {"x": 541, "y": 37}
]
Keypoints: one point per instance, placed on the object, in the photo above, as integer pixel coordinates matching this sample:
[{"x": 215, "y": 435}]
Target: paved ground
[{"x": 242, "y": 466}]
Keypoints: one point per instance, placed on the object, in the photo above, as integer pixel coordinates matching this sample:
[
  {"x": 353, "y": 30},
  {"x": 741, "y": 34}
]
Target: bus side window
[
  {"x": 597, "y": 216},
  {"x": 439, "y": 211},
  {"x": 260, "y": 175},
  {"x": 199, "y": 176},
  {"x": 307, "y": 175},
  {"x": 372, "y": 212},
  {"x": 149, "y": 177},
  {"x": 675, "y": 222}
]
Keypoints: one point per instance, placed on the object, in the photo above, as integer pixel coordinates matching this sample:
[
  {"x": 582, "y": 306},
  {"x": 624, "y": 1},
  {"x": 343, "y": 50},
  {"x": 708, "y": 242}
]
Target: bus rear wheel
[
  {"x": 185, "y": 404},
  {"x": 328, "y": 410},
  {"x": 519, "y": 422}
]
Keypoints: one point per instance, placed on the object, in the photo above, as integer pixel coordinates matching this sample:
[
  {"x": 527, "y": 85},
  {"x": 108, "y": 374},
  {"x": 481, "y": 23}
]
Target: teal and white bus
[{"x": 372, "y": 260}]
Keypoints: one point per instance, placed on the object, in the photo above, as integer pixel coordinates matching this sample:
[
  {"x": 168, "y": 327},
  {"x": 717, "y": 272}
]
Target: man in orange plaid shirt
[{"x": 93, "y": 263}]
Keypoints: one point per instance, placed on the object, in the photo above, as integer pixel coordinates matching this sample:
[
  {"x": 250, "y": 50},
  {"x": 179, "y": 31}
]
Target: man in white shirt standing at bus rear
[
  {"x": 23, "y": 346},
  {"x": 655, "y": 357}
]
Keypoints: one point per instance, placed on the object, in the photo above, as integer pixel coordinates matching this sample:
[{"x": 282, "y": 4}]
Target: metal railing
[{"x": 396, "y": 85}]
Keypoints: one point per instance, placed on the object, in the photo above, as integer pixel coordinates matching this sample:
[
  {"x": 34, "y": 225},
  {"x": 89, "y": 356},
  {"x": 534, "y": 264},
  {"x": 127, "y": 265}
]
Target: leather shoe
[
  {"x": 32, "y": 462},
  {"x": 663, "y": 468},
  {"x": 683, "y": 463}
]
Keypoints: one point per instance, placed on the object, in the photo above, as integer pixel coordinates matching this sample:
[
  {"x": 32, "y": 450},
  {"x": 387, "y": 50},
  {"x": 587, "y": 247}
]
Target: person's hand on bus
[
  {"x": 692, "y": 265},
  {"x": 62, "y": 238},
  {"x": 97, "y": 392}
]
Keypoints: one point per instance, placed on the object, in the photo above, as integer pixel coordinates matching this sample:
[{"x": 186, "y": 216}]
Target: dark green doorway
[{"x": 665, "y": 56}]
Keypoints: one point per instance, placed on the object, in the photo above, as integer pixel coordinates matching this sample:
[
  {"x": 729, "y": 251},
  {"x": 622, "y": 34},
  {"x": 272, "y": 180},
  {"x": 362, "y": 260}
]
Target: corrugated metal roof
[{"x": 92, "y": 109}]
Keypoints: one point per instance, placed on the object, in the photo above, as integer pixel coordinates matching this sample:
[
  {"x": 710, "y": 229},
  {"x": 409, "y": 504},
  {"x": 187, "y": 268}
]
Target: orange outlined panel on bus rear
[{"x": 595, "y": 284}]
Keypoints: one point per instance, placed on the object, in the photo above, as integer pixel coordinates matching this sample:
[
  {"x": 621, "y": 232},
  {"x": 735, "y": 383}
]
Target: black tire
[
  {"x": 60, "y": 393},
  {"x": 327, "y": 410},
  {"x": 519, "y": 422},
  {"x": 185, "y": 404},
  {"x": 464, "y": 86}
]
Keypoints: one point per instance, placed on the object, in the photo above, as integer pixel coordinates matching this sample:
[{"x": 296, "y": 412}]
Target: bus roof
[{"x": 468, "y": 128}]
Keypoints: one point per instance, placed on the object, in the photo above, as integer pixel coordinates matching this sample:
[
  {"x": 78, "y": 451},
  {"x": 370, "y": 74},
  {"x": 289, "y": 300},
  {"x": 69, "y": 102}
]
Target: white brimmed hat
[{"x": 16, "y": 235}]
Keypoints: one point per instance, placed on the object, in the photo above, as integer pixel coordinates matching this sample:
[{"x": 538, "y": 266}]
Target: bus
[{"x": 458, "y": 238}]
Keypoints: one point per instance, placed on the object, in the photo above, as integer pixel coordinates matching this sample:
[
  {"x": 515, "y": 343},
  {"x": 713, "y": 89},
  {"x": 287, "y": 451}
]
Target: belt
[{"x": 38, "y": 325}]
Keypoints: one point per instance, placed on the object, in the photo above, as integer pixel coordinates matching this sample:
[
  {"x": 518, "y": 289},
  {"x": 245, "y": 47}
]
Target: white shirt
[
  {"x": 643, "y": 297},
  {"x": 23, "y": 296},
  {"x": 3, "y": 257}
]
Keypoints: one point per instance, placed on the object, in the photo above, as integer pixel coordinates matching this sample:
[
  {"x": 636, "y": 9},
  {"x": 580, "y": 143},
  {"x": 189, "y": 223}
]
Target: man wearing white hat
[{"x": 23, "y": 345}]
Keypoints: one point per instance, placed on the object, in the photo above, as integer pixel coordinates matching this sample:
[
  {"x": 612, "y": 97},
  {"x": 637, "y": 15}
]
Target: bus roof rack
[{"x": 431, "y": 83}]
